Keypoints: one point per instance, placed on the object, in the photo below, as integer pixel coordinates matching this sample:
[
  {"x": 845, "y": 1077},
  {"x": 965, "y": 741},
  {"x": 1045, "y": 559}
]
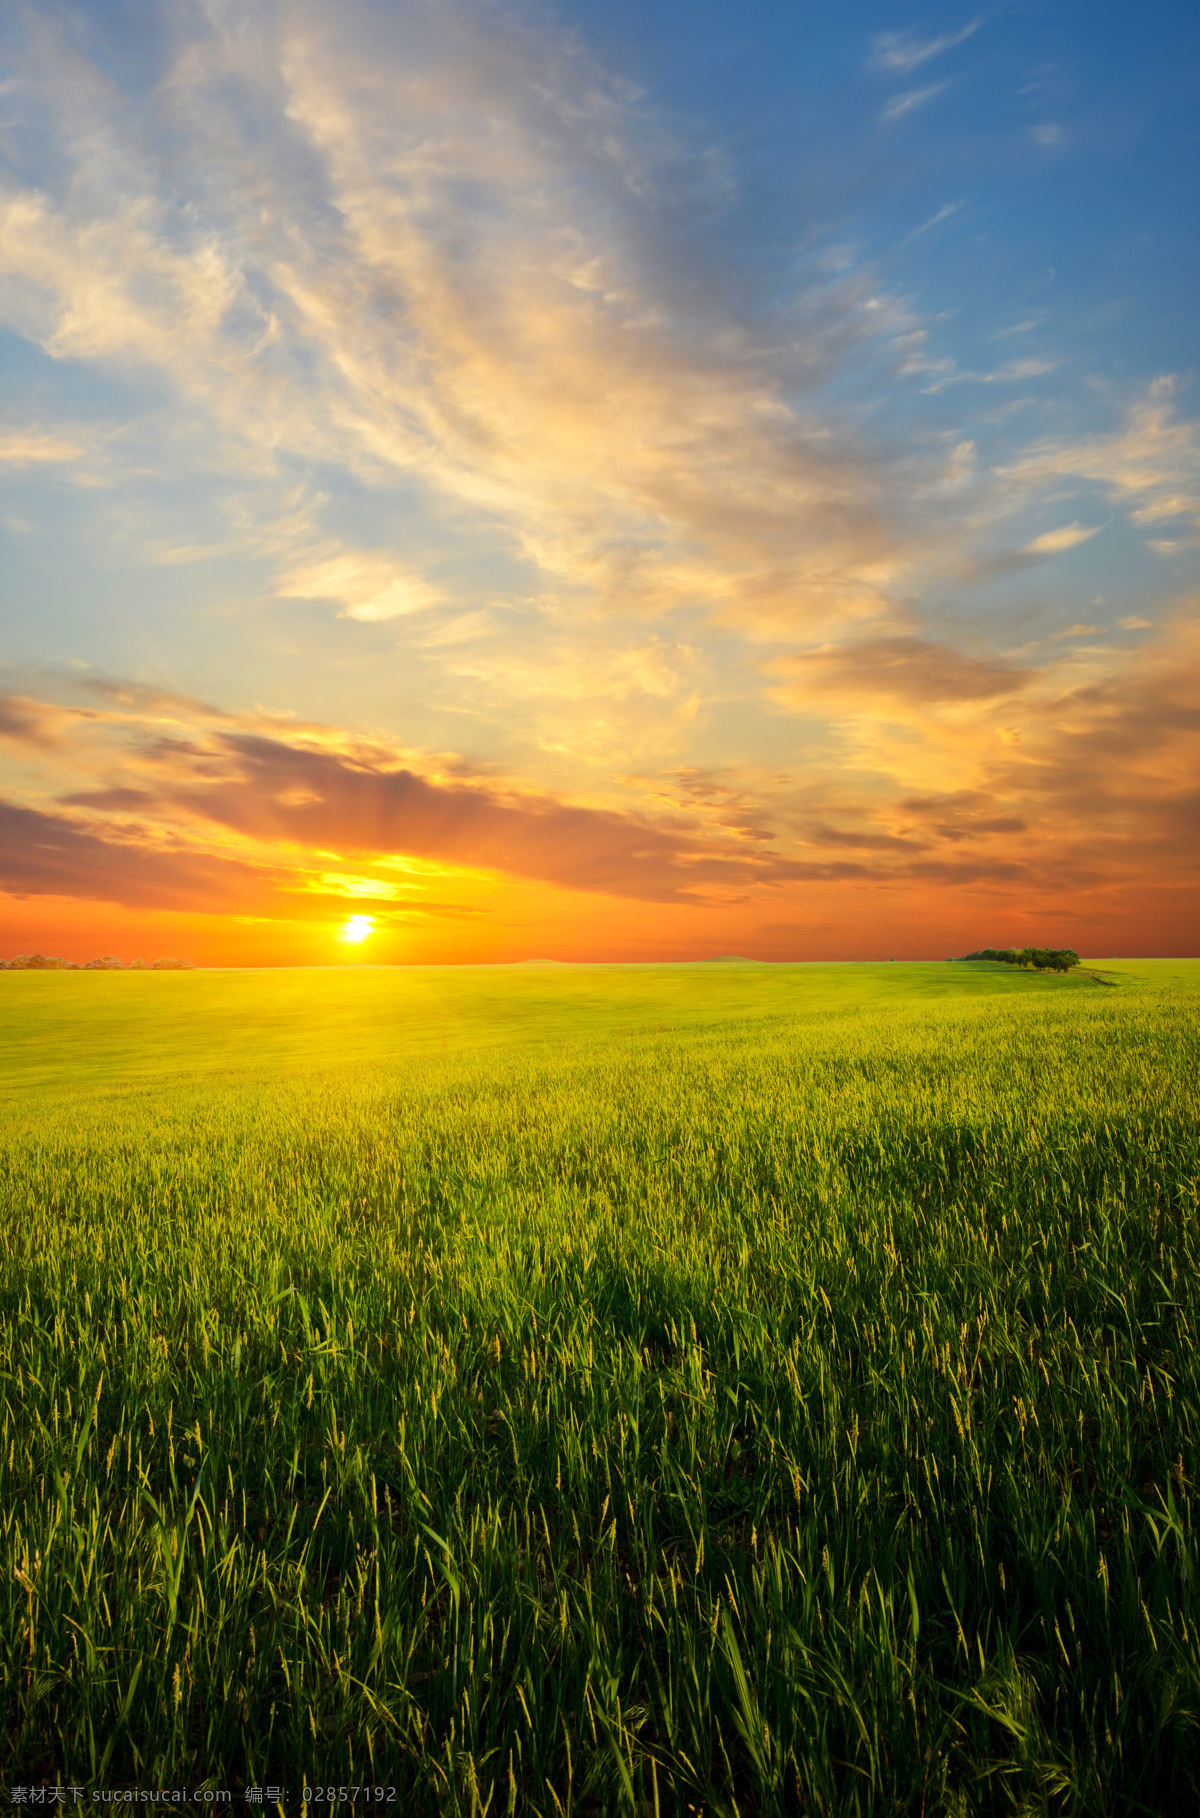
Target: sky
[{"x": 485, "y": 481}]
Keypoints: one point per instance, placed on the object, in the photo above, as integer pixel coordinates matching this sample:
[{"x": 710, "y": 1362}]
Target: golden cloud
[
  {"x": 908, "y": 669},
  {"x": 364, "y": 586}
]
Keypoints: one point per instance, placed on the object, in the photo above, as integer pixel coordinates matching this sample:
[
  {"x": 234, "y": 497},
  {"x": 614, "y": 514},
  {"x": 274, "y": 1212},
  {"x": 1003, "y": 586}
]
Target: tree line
[
  {"x": 1045, "y": 959},
  {"x": 46, "y": 962}
]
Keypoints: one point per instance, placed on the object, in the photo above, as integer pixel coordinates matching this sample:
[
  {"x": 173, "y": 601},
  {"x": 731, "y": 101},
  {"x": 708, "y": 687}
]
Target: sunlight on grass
[{"x": 772, "y": 1391}]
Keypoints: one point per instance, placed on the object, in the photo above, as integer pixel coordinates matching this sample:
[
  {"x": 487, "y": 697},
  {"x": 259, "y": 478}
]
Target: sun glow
[{"x": 356, "y": 928}]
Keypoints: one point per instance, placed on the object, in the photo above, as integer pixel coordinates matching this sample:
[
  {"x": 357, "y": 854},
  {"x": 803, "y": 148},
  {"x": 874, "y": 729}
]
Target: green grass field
[{"x": 714, "y": 1388}]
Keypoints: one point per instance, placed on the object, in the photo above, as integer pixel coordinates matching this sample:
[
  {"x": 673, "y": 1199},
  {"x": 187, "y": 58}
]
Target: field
[{"x": 706, "y": 1388}]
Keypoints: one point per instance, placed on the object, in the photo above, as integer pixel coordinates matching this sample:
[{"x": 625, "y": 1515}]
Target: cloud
[
  {"x": 1135, "y": 623},
  {"x": 110, "y": 289},
  {"x": 1011, "y": 373},
  {"x": 907, "y": 103},
  {"x": 277, "y": 792},
  {"x": 29, "y": 722},
  {"x": 943, "y": 214},
  {"x": 1097, "y": 796},
  {"x": 31, "y": 447},
  {"x": 48, "y": 854},
  {"x": 1024, "y": 327},
  {"x": 172, "y": 778},
  {"x": 959, "y": 815},
  {"x": 1150, "y": 465},
  {"x": 45, "y": 854},
  {"x": 902, "y": 668},
  {"x": 365, "y": 587},
  {"x": 1015, "y": 370},
  {"x": 1080, "y": 790},
  {"x": 1112, "y": 767},
  {"x": 424, "y": 248},
  {"x": 895, "y": 53},
  {"x": 1048, "y": 135},
  {"x": 1054, "y": 542}
]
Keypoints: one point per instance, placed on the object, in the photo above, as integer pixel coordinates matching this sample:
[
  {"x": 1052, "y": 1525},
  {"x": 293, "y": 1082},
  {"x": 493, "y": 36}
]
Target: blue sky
[{"x": 771, "y": 432}]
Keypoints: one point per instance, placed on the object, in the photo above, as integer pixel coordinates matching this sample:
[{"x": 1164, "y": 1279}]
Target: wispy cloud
[
  {"x": 31, "y": 447},
  {"x": 1013, "y": 371},
  {"x": 364, "y": 586},
  {"x": 895, "y": 53},
  {"x": 1150, "y": 465},
  {"x": 943, "y": 214},
  {"x": 528, "y": 365},
  {"x": 905, "y": 668},
  {"x": 30, "y": 722},
  {"x": 1054, "y": 542},
  {"x": 909, "y": 102}
]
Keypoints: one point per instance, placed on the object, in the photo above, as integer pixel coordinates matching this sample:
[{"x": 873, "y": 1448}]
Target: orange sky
[{"x": 172, "y": 826}]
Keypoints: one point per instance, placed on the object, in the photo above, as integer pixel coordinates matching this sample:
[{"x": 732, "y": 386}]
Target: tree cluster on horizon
[
  {"x": 44, "y": 962},
  {"x": 1045, "y": 959}
]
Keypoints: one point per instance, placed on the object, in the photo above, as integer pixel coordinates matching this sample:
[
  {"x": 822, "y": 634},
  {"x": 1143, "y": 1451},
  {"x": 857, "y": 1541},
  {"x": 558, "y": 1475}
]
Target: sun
[{"x": 356, "y": 928}]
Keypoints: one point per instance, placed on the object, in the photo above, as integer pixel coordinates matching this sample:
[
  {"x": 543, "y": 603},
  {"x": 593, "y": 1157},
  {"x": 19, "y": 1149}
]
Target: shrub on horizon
[
  {"x": 1043, "y": 959},
  {"x": 43, "y": 962}
]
